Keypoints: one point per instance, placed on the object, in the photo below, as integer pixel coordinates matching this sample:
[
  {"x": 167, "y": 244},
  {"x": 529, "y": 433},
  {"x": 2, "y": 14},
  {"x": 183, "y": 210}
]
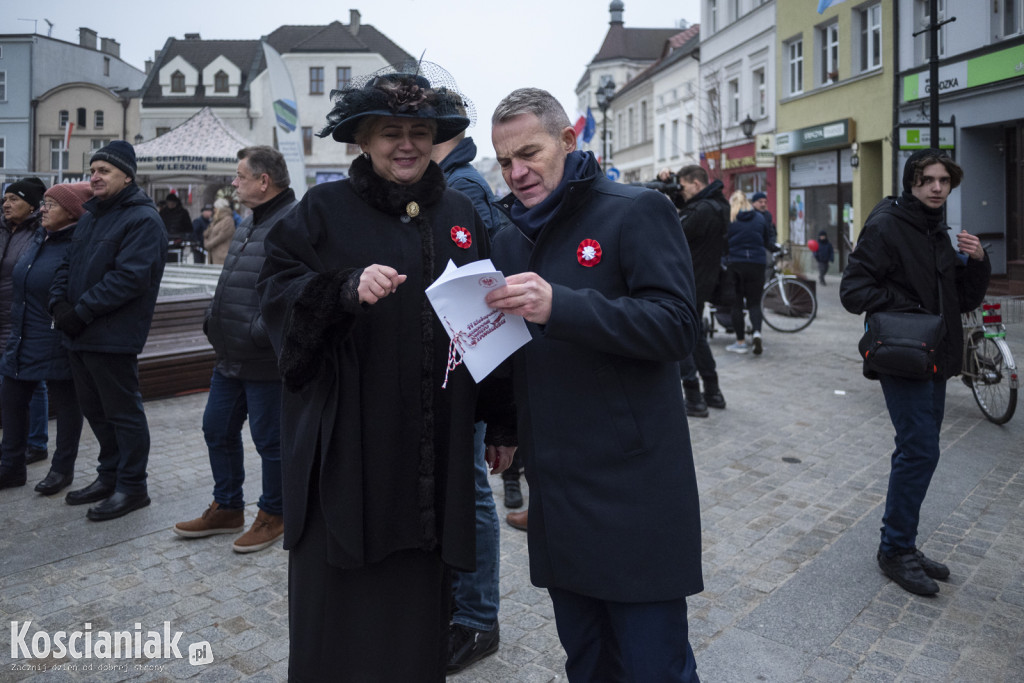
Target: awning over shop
[{"x": 201, "y": 146}]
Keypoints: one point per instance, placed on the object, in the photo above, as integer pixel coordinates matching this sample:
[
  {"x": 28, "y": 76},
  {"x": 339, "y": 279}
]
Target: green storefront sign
[
  {"x": 971, "y": 73},
  {"x": 827, "y": 135}
]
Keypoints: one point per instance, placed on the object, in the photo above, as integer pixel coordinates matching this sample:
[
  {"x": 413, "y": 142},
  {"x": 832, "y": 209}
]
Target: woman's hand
[{"x": 377, "y": 282}]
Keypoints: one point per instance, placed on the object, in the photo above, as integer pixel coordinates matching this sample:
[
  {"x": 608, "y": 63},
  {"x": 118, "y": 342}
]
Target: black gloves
[{"x": 66, "y": 320}]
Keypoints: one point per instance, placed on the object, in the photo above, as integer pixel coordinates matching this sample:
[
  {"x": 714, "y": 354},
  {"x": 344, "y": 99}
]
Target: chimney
[
  {"x": 193, "y": 36},
  {"x": 353, "y": 21},
  {"x": 110, "y": 46},
  {"x": 149, "y": 65},
  {"x": 87, "y": 38}
]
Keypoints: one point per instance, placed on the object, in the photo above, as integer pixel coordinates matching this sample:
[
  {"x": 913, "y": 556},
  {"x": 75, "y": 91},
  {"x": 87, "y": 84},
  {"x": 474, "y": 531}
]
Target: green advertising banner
[{"x": 991, "y": 68}]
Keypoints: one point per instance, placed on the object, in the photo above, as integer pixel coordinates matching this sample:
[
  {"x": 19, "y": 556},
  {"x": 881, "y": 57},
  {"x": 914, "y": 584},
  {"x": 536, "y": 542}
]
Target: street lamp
[
  {"x": 605, "y": 92},
  {"x": 138, "y": 138},
  {"x": 747, "y": 126}
]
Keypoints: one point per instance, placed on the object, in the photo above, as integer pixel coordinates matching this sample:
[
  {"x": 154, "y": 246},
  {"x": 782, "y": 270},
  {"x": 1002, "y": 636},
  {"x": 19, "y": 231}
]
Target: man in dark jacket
[
  {"x": 245, "y": 380},
  {"x": 199, "y": 226},
  {"x": 102, "y": 299},
  {"x": 904, "y": 261},
  {"x": 602, "y": 274},
  {"x": 176, "y": 220},
  {"x": 473, "y": 633},
  {"x": 705, "y": 220}
]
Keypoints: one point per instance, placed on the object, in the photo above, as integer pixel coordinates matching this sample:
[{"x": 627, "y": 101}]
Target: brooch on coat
[
  {"x": 462, "y": 237},
  {"x": 588, "y": 253}
]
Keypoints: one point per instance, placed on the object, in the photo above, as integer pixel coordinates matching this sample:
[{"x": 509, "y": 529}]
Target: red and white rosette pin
[
  {"x": 462, "y": 237},
  {"x": 588, "y": 253}
]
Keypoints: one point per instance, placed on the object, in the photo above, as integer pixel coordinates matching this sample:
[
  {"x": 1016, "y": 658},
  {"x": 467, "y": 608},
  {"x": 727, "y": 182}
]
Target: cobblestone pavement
[{"x": 792, "y": 478}]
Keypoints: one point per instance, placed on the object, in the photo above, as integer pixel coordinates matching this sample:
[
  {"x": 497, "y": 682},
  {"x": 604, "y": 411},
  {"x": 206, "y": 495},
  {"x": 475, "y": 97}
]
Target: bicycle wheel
[
  {"x": 994, "y": 377},
  {"x": 788, "y": 305}
]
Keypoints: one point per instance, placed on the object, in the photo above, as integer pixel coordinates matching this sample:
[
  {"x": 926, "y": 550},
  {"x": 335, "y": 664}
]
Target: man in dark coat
[
  {"x": 199, "y": 226},
  {"x": 176, "y": 219},
  {"x": 705, "y": 221},
  {"x": 904, "y": 261},
  {"x": 602, "y": 273},
  {"x": 102, "y": 299},
  {"x": 245, "y": 380}
]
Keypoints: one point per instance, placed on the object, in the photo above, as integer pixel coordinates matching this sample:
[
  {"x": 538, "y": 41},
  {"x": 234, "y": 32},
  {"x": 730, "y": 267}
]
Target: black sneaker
[
  {"x": 935, "y": 570},
  {"x": 513, "y": 493},
  {"x": 904, "y": 568},
  {"x": 468, "y": 646},
  {"x": 35, "y": 455}
]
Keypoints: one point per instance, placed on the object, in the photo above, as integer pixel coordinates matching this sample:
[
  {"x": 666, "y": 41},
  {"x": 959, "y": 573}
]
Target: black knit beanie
[
  {"x": 30, "y": 189},
  {"x": 118, "y": 153}
]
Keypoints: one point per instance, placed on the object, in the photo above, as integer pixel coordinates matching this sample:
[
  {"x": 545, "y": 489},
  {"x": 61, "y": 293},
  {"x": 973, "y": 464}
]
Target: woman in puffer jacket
[{"x": 749, "y": 235}]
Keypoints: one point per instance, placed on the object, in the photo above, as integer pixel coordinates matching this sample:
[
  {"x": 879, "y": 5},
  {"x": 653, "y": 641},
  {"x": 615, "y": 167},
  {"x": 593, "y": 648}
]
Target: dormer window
[
  {"x": 177, "y": 82},
  {"x": 220, "y": 82}
]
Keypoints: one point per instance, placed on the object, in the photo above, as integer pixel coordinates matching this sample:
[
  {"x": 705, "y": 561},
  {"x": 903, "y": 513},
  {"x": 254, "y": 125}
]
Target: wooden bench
[{"x": 177, "y": 357}]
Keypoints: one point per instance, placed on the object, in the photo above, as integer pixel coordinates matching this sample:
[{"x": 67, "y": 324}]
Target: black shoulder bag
[{"x": 902, "y": 343}]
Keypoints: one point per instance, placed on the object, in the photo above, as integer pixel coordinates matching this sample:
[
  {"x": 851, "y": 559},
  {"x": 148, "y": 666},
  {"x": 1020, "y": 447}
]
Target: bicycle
[
  {"x": 988, "y": 365},
  {"x": 788, "y": 304}
]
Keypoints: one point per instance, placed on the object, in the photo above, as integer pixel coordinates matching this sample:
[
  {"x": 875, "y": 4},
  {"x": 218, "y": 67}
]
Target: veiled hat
[{"x": 419, "y": 90}]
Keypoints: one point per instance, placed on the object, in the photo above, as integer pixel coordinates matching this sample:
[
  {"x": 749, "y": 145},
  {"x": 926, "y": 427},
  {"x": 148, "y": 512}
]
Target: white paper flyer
[{"x": 481, "y": 336}]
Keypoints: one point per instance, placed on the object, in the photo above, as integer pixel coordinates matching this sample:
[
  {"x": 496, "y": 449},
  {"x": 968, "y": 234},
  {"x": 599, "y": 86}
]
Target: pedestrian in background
[
  {"x": 749, "y": 236},
  {"x": 601, "y": 415},
  {"x": 102, "y": 299},
  {"x": 217, "y": 237},
  {"x": 176, "y": 220},
  {"x": 824, "y": 255},
  {"x": 474, "y": 632},
  {"x": 34, "y": 352},
  {"x": 245, "y": 381},
  {"x": 21, "y": 218},
  {"x": 904, "y": 261},
  {"x": 199, "y": 226},
  {"x": 705, "y": 220}
]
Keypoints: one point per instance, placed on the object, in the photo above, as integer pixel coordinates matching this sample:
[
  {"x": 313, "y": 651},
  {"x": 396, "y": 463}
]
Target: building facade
[
  {"x": 737, "y": 79},
  {"x": 834, "y": 119},
  {"x": 41, "y": 77},
  {"x": 981, "y": 93}
]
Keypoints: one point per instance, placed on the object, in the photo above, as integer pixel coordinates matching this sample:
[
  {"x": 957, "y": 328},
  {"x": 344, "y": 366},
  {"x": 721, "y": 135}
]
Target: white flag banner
[
  {"x": 286, "y": 114},
  {"x": 481, "y": 337}
]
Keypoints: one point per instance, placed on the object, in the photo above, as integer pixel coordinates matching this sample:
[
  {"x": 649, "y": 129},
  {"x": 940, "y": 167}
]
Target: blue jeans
[
  {"x": 476, "y": 593},
  {"x": 230, "y": 401},
  {"x": 916, "y": 409},
  {"x": 623, "y": 641}
]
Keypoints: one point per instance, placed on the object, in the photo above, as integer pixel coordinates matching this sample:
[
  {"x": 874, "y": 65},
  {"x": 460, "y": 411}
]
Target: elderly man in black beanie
[
  {"x": 906, "y": 261},
  {"x": 102, "y": 299}
]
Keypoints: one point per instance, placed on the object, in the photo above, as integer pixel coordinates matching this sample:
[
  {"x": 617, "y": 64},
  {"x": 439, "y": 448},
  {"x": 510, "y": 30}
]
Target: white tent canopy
[{"x": 201, "y": 146}]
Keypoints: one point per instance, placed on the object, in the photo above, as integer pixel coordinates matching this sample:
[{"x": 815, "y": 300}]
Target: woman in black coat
[
  {"x": 34, "y": 352},
  {"x": 377, "y": 456}
]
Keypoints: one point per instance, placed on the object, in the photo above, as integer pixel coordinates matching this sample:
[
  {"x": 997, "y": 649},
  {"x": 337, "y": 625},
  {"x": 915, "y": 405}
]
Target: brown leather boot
[
  {"x": 518, "y": 520},
  {"x": 215, "y": 520},
  {"x": 263, "y": 532}
]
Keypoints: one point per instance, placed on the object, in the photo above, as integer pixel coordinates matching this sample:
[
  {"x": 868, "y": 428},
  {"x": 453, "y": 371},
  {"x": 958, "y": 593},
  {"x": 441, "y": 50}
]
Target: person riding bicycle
[{"x": 904, "y": 261}]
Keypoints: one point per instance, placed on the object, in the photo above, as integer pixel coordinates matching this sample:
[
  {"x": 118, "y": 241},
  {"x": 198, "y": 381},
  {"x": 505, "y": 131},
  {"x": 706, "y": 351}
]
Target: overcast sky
[{"x": 490, "y": 47}]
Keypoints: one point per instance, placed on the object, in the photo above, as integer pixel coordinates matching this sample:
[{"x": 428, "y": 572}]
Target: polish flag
[
  {"x": 67, "y": 135},
  {"x": 581, "y": 122}
]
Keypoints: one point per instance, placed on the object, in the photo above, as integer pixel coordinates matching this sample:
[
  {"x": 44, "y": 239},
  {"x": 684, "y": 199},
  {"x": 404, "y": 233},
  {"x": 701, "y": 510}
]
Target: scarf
[{"x": 531, "y": 220}]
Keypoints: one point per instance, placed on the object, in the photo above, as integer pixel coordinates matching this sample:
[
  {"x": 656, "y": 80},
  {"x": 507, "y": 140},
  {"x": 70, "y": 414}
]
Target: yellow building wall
[{"x": 866, "y": 98}]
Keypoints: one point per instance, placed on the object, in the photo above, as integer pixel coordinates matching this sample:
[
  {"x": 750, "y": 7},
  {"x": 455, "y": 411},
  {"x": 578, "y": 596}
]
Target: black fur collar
[{"x": 392, "y": 198}]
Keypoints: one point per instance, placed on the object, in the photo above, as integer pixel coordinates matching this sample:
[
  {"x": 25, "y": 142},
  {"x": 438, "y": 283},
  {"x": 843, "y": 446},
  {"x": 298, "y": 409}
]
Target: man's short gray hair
[
  {"x": 540, "y": 103},
  {"x": 264, "y": 159}
]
